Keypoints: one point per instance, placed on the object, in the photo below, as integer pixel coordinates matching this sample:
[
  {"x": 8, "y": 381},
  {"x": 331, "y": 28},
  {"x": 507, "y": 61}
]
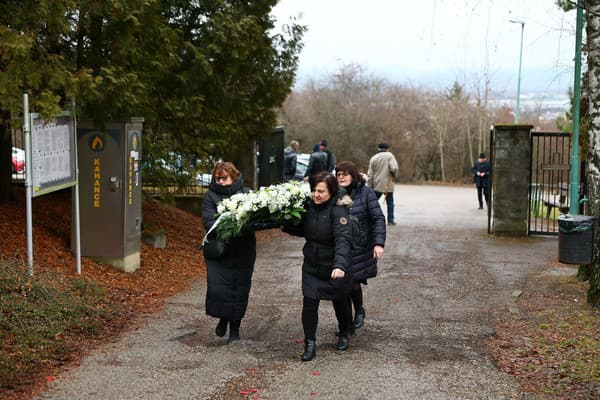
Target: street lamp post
[{"x": 514, "y": 21}]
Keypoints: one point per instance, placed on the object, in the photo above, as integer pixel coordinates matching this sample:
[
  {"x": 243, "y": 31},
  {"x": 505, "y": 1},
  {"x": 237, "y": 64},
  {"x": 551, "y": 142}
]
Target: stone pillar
[{"x": 511, "y": 160}]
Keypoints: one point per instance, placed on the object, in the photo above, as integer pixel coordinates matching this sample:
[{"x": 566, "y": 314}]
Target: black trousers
[
  {"x": 310, "y": 316},
  {"x": 486, "y": 194}
]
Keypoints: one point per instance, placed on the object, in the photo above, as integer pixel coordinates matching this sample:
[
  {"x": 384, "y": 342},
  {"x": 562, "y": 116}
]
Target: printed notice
[{"x": 52, "y": 154}]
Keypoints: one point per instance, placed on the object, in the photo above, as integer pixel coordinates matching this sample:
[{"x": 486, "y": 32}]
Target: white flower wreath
[{"x": 275, "y": 203}]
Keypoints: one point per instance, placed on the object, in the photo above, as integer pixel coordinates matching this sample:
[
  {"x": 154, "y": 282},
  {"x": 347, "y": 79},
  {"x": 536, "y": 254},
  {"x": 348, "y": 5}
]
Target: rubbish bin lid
[
  {"x": 575, "y": 223},
  {"x": 575, "y": 218}
]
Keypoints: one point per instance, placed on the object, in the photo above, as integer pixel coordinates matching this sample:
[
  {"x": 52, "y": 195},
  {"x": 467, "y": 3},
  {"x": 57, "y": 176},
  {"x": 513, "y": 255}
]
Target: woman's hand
[
  {"x": 337, "y": 273},
  {"x": 377, "y": 252}
]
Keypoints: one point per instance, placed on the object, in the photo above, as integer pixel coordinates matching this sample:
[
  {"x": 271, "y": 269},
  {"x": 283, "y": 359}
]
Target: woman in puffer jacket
[
  {"x": 229, "y": 277},
  {"x": 327, "y": 259},
  {"x": 367, "y": 210}
]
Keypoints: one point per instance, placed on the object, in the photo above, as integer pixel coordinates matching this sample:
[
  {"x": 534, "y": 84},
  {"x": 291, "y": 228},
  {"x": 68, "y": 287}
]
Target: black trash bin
[{"x": 576, "y": 238}]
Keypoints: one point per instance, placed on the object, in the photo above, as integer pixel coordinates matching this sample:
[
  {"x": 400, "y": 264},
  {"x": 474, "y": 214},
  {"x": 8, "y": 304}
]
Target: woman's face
[
  {"x": 344, "y": 179},
  {"x": 321, "y": 193},
  {"x": 223, "y": 178}
]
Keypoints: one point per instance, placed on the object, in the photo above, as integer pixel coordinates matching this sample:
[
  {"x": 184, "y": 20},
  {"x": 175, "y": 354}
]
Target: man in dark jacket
[
  {"x": 481, "y": 176},
  {"x": 331, "y": 161},
  {"x": 290, "y": 155},
  {"x": 316, "y": 163}
]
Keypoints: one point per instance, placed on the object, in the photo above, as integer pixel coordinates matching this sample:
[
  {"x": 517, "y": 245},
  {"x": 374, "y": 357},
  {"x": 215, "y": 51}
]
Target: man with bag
[{"x": 383, "y": 168}]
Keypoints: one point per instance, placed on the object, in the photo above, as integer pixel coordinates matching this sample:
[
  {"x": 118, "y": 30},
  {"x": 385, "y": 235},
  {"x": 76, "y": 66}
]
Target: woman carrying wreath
[
  {"x": 326, "y": 268},
  {"x": 366, "y": 209},
  {"x": 228, "y": 277}
]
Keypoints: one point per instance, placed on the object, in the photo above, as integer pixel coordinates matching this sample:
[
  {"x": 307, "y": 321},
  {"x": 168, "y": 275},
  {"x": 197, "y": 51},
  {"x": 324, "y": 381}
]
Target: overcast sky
[{"x": 432, "y": 42}]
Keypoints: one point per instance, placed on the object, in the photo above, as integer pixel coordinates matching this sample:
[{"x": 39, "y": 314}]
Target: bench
[{"x": 559, "y": 199}]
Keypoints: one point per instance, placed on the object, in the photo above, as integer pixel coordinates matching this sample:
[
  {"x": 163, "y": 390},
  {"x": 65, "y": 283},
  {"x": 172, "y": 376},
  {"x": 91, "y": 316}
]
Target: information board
[{"x": 53, "y": 154}]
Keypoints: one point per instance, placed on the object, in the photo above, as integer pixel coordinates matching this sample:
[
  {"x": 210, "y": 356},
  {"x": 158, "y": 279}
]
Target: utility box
[{"x": 110, "y": 192}]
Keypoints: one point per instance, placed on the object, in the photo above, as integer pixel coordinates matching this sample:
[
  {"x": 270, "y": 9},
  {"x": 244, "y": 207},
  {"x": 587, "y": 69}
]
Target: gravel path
[{"x": 429, "y": 312}]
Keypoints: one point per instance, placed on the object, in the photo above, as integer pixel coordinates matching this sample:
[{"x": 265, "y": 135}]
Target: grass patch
[
  {"x": 553, "y": 348},
  {"x": 42, "y": 319}
]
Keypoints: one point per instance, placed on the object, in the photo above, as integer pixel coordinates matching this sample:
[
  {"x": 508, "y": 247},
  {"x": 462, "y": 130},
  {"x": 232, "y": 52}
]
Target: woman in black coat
[
  {"x": 229, "y": 277},
  {"x": 327, "y": 259},
  {"x": 366, "y": 209}
]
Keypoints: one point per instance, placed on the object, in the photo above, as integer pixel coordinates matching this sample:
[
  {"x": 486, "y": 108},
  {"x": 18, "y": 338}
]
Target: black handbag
[{"x": 214, "y": 248}]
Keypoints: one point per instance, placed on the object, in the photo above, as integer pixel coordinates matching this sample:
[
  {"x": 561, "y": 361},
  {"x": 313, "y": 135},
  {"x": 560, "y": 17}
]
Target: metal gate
[{"x": 549, "y": 185}]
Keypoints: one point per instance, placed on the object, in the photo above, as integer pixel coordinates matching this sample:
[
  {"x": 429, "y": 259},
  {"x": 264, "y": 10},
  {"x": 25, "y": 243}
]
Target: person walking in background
[
  {"x": 290, "y": 155},
  {"x": 481, "y": 177},
  {"x": 316, "y": 163},
  {"x": 326, "y": 268},
  {"x": 229, "y": 277},
  {"x": 383, "y": 168},
  {"x": 365, "y": 208},
  {"x": 331, "y": 160}
]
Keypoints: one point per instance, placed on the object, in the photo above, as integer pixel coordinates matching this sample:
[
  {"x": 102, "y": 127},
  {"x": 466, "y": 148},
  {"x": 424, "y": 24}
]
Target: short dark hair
[
  {"x": 351, "y": 169},
  {"x": 481, "y": 155},
  {"x": 323, "y": 142},
  {"x": 326, "y": 178}
]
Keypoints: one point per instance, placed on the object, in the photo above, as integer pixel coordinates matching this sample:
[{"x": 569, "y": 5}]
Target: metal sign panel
[{"x": 53, "y": 154}]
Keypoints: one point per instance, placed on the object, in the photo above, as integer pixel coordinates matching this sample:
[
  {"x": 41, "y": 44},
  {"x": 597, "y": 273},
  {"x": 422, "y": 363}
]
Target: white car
[{"x": 301, "y": 165}]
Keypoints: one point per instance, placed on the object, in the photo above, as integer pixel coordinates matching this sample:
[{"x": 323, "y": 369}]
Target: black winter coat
[
  {"x": 327, "y": 231},
  {"x": 230, "y": 277},
  {"x": 486, "y": 168},
  {"x": 316, "y": 163},
  {"x": 366, "y": 209}
]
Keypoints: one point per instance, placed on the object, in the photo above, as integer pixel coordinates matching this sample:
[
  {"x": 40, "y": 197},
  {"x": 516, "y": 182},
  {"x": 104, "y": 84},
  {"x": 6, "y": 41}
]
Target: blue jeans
[{"x": 389, "y": 201}]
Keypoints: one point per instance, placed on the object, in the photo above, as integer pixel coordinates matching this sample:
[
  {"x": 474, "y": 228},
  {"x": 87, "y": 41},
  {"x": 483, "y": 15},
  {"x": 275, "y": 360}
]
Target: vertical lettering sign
[
  {"x": 52, "y": 154},
  {"x": 133, "y": 165},
  {"x": 96, "y": 143}
]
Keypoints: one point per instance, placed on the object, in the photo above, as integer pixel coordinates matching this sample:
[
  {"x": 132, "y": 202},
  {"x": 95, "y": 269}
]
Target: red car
[{"x": 18, "y": 160}]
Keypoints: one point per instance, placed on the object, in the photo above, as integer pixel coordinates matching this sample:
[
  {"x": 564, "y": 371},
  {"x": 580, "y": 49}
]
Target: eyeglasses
[
  {"x": 221, "y": 178},
  {"x": 342, "y": 174}
]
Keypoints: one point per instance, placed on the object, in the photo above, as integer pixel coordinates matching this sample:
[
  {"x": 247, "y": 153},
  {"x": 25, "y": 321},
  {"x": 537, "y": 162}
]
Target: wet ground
[{"x": 441, "y": 283}]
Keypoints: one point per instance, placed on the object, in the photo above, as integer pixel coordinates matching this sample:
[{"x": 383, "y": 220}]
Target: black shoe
[
  {"x": 221, "y": 327},
  {"x": 310, "y": 350},
  {"x": 359, "y": 320},
  {"x": 234, "y": 331},
  {"x": 343, "y": 343},
  {"x": 481, "y": 207},
  {"x": 391, "y": 223}
]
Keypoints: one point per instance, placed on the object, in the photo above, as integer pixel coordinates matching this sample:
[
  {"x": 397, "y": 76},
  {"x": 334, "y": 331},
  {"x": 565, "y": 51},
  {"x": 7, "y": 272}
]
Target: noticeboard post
[{"x": 51, "y": 164}]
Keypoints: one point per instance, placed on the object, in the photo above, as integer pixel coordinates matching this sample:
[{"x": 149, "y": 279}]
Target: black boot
[
  {"x": 310, "y": 349},
  {"x": 343, "y": 343},
  {"x": 221, "y": 327},
  {"x": 234, "y": 331},
  {"x": 359, "y": 320}
]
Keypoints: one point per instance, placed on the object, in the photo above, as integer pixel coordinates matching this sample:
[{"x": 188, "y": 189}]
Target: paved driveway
[{"x": 429, "y": 312}]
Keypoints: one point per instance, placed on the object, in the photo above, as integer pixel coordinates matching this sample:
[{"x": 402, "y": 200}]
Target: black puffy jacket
[
  {"x": 328, "y": 232},
  {"x": 366, "y": 208},
  {"x": 229, "y": 278}
]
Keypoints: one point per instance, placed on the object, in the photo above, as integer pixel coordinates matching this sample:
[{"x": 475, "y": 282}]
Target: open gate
[{"x": 549, "y": 184}]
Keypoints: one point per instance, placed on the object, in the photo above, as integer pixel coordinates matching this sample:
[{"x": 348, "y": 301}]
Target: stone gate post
[{"x": 511, "y": 158}]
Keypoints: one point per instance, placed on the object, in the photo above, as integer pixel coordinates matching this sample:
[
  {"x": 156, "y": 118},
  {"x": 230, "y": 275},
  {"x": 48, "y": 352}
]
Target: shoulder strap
[{"x": 212, "y": 228}]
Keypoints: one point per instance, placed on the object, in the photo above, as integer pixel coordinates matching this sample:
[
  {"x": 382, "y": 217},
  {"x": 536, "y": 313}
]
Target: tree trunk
[{"x": 593, "y": 44}]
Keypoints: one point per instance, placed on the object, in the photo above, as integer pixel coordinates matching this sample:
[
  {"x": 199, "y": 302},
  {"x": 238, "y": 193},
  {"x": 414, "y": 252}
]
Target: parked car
[
  {"x": 18, "y": 160},
  {"x": 301, "y": 165},
  {"x": 176, "y": 168}
]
